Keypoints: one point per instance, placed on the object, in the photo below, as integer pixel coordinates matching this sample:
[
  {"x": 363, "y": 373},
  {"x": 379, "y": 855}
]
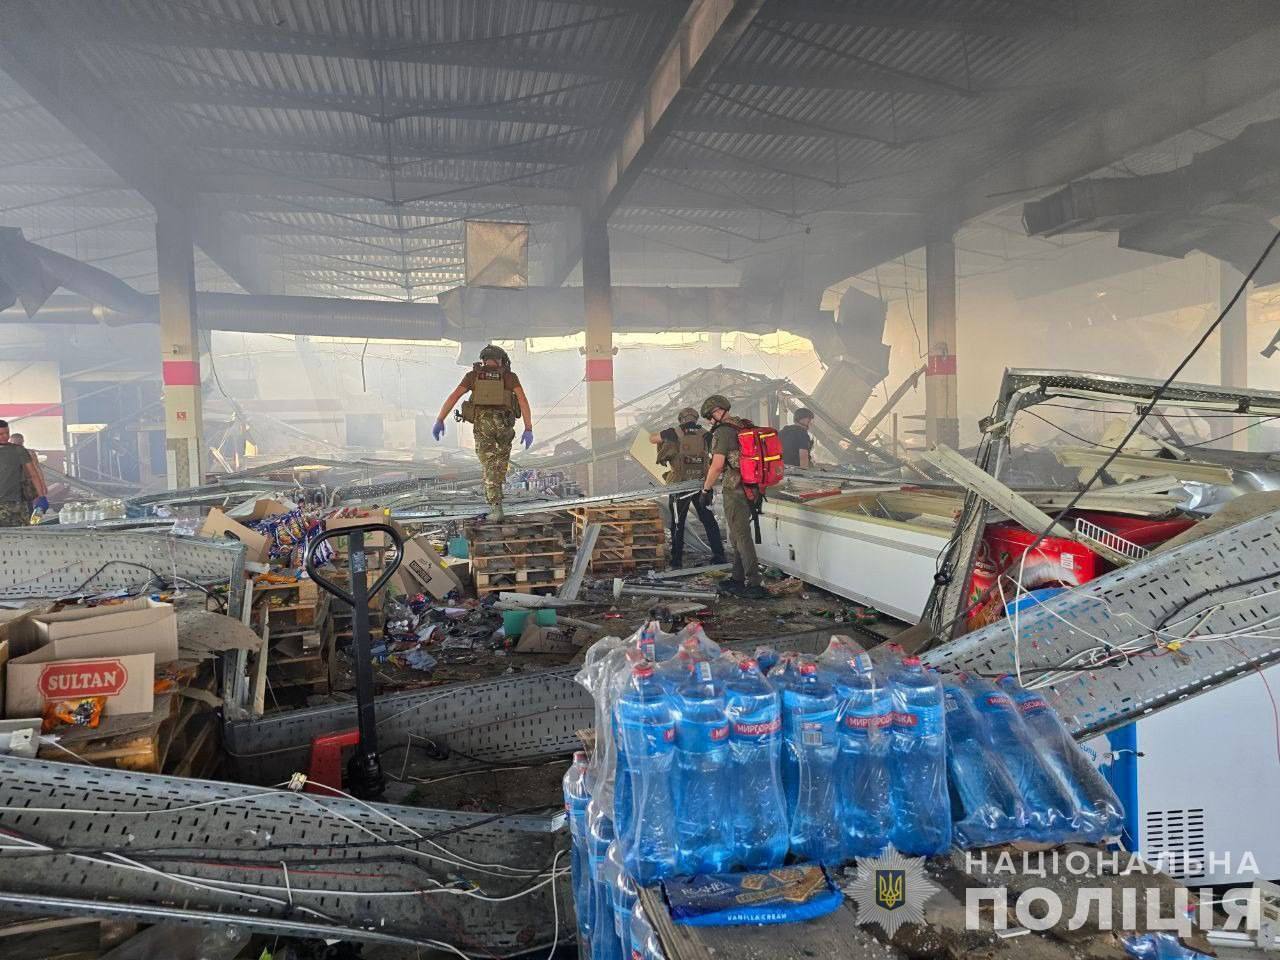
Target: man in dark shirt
[
  {"x": 15, "y": 465},
  {"x": 797, "y": 444}
]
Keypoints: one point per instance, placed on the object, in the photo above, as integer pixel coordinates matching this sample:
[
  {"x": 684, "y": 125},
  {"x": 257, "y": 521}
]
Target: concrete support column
[
  {"x": 180, "y": 350},
  {"x": 598, "y": 303},
  {"x": 1233, "y": 347},
  {"x": 941, "y": 406}
]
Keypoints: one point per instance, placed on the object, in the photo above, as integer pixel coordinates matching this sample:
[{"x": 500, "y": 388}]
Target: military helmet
[
  {"x": 714, "y": 402},
  {"x": 687, "y": 415},
  {"x": 492, "y": 352}
]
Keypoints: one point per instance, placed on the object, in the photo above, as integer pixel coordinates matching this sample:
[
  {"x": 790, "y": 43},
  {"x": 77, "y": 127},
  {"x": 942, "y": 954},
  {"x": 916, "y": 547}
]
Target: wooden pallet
[
  {"x": 178, "y": 727},
  {"x": 632, "y": 537}
]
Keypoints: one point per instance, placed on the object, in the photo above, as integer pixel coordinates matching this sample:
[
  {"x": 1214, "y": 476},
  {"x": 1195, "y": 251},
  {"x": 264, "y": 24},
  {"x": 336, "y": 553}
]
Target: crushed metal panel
[
  {"x": 1226, "y": 585},
  {"x": 44, "y": 563},
  {"x": 342, "y": 857},
  {"x": 515, "y": 718},
  {"x": 497, "y": 254}
]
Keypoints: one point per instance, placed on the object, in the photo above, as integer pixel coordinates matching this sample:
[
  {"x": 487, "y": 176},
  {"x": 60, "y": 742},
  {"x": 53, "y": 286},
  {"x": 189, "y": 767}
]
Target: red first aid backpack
[{"x": 760, "y": 456}]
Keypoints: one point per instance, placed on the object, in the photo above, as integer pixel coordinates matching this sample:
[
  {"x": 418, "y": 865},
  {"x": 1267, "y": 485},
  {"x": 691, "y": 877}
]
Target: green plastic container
[
  {"x": 513, "y": 622},
  {"x": 458, "y": 547},
  {"x": 545, "y": 617}
]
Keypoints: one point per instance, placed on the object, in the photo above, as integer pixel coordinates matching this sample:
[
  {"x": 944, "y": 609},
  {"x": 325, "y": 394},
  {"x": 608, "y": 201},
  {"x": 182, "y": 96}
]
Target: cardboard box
[
  {"x": 422, "y": 572},
  {"x": 108, "y": 651},
  {"x": 218, "y": 526},
  {"x": 261, "y": 510},
  {"x": 127, "y": 682}
]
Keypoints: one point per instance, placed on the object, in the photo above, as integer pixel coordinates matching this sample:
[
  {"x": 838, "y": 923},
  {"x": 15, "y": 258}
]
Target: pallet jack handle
[{"x": 364, "y": 772}]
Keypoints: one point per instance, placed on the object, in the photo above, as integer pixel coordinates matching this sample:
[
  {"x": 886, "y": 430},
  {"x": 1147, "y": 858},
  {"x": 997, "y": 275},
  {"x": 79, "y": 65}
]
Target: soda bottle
[
  {"x": 644, "y": 941},
  {"x": 623, "y": 896},
  {"x": 922, "y": 809},
  {"x": 605, "y": 943},
  {"x": 702, "y": 776},
  {"x": 757, "y": 809},
  {"x": 1050, "y": 809},
  {"x": 809, "y": 751},
  {"x": 622, "y": 794},
  {"x": 576, "y": 798},
  {"x": 1099, "y": 812},
  {"x": 862, "y": 767},
  {"x": 646, "y": 725},
  {"x": 986, "y": 808}
]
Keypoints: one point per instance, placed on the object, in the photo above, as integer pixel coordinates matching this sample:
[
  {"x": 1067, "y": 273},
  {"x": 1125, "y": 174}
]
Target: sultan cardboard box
[
  {"x": 107, "y": 651},
  {"x": 221, "y": 527}
]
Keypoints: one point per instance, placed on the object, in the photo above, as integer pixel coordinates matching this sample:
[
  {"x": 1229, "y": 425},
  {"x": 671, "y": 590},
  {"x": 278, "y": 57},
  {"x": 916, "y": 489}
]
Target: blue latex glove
[
  {"x": 42, "y": 503},
  {"x": 527, "y": 439},
  {"x": 438, "y": 430}
]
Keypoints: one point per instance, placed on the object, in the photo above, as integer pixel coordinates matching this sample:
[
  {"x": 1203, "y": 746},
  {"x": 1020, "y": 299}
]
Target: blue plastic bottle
[
  {"x": 605, "y": 944},
  {"x": 1098, "y": 810},
  {"x": 622, "y": 801},
  {"x": 646, "y": 725},
  {"x": 986, "y": 808},
  {"x": 623, "y": 896},
  {"x": 644, "y": 942},
  {"x": 809, "y": 752},
  {"x": 862, "y": 768},
  {"x": 1050, "y": 809},
  {"x": 576, "y": 798},
  {"x": 757, "y": 809},
  {"x": 702, "y": 777},
  {"x": 922, "y": 809}
]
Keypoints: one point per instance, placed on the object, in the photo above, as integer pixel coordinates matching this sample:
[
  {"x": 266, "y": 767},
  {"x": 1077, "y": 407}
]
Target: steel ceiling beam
[
  {"x": 705, "y": 37},
  {"x": 51, "y": 74},
  {"x": 1199, "y": 91}
]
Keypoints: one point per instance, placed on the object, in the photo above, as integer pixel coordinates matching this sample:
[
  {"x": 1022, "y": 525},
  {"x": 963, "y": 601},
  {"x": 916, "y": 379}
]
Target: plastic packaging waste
[
  {"x": 1159, "y": 946},
  {"x": 644, "y": 941},
  {"x": 605, "y": 944},
  {"x": 646, "y": 727},
  {"x": 922, "y": 809},
  {"x": 809, "y": 708},
  {"x": 862, "y": 767},
  {"x": 1049, "y": 807},
  {"x": 703, "y": 840},
  {"x": 756, "y": 808},
  {"x": 986, "y": 808},
  {"x": 837, "y": 659},
  {"x": 576, "y": 799},
  {"x": 1098, "y": 811},
  {"x": 623, "y": 896}
]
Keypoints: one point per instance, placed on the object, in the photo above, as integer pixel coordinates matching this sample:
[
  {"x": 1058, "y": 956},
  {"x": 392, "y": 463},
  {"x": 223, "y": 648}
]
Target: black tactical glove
[{"x": 707, "y": 496}]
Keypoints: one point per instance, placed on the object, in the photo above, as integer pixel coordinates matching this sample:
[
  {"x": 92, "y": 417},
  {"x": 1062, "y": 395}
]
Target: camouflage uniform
[
  {"x": 737, "y": 508},
  {"x": 494, "y": 430},
  {"x": 14, "y": 514}
]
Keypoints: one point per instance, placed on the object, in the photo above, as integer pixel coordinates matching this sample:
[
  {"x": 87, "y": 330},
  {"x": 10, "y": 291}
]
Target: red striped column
[
  {"x": 941, "y": 400},
  {"x": 180, "y": 371},
  {"x": 598, "y": 305}
]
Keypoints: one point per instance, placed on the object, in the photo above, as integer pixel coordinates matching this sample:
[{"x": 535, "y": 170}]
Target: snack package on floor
[
  {"x": 78, "y": 712},
  {"x": 781, "y": 895}
]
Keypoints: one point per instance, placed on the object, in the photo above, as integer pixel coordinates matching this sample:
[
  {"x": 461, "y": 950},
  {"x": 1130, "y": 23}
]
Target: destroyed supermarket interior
[{"x": 639, "y": 479}]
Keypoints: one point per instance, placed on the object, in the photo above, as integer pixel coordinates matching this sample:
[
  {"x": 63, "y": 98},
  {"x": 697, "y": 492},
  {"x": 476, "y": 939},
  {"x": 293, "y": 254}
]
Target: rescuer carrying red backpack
[{"x": 750, "y": 460}]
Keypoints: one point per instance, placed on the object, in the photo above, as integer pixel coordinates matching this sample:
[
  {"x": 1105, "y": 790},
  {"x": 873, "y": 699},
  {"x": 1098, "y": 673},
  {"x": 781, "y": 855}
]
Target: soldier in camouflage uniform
[
  {"x": 496, "y": 397},
  {"x": 16, "y": 466},
  {"x": 745, "y": 579}
]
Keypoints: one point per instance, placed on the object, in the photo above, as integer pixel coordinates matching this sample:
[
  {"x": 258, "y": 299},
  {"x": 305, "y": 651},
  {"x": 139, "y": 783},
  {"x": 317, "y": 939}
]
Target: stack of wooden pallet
[
  {"x": 284, "y": 613},
  {"x": 520, "y": 555},
  {"x": 632, "y": 537}
]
